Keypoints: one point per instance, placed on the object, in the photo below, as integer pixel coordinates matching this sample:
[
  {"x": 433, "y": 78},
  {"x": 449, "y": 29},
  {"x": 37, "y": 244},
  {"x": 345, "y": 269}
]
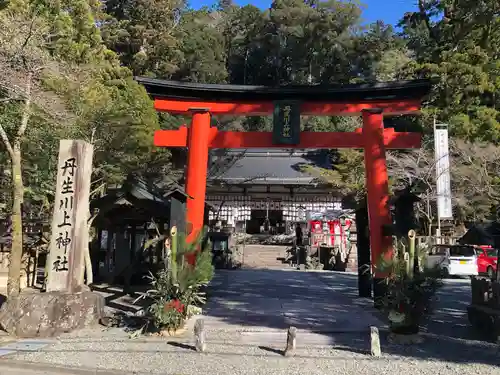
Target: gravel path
[
  {"x": 348, "y": 357},
  {"x": 239, "y": 344}
]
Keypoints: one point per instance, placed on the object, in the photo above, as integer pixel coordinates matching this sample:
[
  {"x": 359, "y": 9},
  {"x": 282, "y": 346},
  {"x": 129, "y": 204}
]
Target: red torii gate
[{"x": 371, "y": 101}]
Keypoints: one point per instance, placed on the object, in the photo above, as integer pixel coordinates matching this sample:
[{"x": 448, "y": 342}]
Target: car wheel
[{"x": 490, "y": 272}]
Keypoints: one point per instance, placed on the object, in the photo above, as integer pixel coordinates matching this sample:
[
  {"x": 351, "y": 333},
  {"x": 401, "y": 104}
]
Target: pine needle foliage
[
  {"x": 178, "y": 289},
  {"x": 410, "y": 292}
]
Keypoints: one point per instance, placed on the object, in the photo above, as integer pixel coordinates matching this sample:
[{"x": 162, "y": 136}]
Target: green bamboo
[
  {"x": 173, "y": 254},
  {"x": 401, "y": 249},
  {"x": 411, "y": 248}
]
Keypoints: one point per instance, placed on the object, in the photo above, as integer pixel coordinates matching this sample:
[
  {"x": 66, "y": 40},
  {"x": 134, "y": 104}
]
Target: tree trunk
[
  {"x": 88, "y": 266},
  {"x": 14, "y": 149},
  {"x": 16, "y": 252},
  {"x": 89, "y": 272}
]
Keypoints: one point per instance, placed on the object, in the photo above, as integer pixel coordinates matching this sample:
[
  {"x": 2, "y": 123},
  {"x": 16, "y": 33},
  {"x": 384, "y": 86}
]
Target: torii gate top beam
[{"x": 394, "y": 98}]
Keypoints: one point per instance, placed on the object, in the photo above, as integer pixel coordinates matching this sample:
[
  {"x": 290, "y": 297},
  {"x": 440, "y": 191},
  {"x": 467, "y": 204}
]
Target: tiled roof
[
  {"x": 266, "y": 166},
  {"x": 364, "y": 92}
]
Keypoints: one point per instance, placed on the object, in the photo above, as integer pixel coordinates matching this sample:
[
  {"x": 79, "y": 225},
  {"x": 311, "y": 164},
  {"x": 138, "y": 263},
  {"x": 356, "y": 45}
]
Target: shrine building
[{"x": 246, "y": 186}]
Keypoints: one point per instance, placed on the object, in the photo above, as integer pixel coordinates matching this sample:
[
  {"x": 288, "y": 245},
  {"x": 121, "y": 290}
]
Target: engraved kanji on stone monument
[{"x": 69, "y": 224}]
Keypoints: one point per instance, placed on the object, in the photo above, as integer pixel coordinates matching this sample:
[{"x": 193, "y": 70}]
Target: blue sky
[{"x": 390, "y": 11}]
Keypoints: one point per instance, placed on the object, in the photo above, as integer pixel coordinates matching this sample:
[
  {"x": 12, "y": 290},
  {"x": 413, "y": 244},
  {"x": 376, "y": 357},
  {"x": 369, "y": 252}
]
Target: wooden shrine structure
[{"x": 287, "y": 104}]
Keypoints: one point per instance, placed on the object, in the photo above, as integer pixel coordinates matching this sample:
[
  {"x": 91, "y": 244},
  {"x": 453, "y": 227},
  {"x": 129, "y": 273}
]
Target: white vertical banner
[{"x": 443, "y": 185}]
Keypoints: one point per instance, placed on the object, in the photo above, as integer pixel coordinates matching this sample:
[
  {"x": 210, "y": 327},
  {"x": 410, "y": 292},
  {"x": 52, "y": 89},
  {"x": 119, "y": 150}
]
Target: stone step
[
  {"x": 267, "y": 255},
  {"x": 258, "y": 255},
  {"x": 263, "y": 260},
  {"x": 264, "y": 257},
  {"x": 116, "y": 300},
  {"x": 269, "y": 260}
]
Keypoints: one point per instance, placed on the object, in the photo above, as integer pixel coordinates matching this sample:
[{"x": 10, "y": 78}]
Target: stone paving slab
[
  {"x": 274, "y": 300},
  {"x": 9, "y": 367},
  {"x": 24, "y": 345}
]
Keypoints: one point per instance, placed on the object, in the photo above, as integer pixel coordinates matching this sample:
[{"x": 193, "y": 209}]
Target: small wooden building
[{"x": 126, "y": 218}]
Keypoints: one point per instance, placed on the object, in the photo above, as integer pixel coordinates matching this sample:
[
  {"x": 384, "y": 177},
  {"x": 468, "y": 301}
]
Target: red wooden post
[
  {"x": 196, "y": 177},
  {"x": 377, "y": 183}
]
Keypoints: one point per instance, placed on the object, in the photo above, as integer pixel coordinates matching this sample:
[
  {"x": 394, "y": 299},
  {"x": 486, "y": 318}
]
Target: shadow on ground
[
  {"x": 254, "y": 299},
  {"x": 326, "y": 303}
]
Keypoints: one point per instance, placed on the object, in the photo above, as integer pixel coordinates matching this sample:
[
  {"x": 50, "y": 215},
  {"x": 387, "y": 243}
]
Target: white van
[{"x": 454, "y": 260}]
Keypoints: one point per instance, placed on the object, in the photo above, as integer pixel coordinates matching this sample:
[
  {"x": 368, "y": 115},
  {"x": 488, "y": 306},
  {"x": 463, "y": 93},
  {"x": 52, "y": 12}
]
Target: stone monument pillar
[
  {"x": 70, "y": 235},
  {"x": 65, "y": 306}
]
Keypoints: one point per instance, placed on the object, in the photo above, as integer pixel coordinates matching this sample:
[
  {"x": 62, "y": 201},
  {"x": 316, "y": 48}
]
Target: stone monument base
[{"x": 49, "y": 314}]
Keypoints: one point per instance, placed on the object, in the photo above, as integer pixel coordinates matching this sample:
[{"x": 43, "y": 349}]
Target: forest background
[{"x": 67, "y": 67}]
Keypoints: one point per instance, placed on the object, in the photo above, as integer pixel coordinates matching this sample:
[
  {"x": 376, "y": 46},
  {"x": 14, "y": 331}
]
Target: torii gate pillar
[
  {"x": 196, "y": 176},
  {"x": 377, "y": 186}
]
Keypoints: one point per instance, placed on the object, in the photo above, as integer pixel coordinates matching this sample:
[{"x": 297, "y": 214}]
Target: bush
[
  {"x": 177, "y": 289},
  {"x": 410, "y": 292},
  {"x": 169, "y": 315}
]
